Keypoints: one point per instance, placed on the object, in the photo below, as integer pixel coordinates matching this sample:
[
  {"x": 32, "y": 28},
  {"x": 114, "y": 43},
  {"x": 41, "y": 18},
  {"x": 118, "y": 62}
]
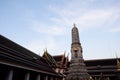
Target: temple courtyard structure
[{"x": 19, "y": 63}]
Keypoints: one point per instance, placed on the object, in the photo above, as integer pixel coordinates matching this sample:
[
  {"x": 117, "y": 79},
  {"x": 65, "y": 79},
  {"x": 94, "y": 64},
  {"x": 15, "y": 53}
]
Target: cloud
[
  {"x": 83, "y": 14},
  {"x": 85, "y": 17},
  {"x": 48, "y": 29},
  {"x": 116, "y": 29},
  {"x": 39, "y": 46}
]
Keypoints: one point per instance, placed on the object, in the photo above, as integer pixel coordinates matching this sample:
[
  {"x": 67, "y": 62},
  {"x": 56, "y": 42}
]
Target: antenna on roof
[
  {"x": 39, "y": 53},
  {"x": 68, "y": 56},
  {"x": 116, "y": 54},
  {"x": 65, "y": 53}
]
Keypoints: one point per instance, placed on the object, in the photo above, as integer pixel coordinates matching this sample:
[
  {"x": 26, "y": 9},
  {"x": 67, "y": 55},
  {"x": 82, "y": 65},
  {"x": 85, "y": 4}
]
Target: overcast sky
[{"x": 40, "y": 24}]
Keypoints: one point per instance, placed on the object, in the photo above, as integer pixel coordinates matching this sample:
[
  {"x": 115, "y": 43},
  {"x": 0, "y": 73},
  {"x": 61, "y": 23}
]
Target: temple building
[
  {"x": 19, "y": 63},
  {"x": 62, "y": 62},
  {"x": 103, "y": 69},
  {"x": 59, "y": 63}
]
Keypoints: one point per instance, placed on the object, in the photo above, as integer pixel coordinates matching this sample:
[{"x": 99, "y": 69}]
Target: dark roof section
[
  {"x": 106, "y": 67},
  {"x": 58, "y": 58},
  {"x": 15, "y": 55},
  {"x": 49, "y": 59},
  {"x": 111, "y": 61}
]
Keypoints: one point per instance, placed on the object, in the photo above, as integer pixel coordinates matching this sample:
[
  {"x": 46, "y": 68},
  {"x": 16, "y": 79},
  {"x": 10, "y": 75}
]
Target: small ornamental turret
[{"x": 77, "y": 69}]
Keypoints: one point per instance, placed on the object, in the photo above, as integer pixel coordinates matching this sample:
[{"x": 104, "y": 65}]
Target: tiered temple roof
[
  {"x": 106, "y": 68},
  {"x": 49, "y": 59},
  {"x": 15, "y": 55},
  {"x": 60, "y": 61}
]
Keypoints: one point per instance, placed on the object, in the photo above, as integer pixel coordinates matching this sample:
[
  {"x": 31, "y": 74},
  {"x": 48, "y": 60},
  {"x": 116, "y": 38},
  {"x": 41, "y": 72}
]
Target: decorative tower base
[{"x": 77, "y": 69}]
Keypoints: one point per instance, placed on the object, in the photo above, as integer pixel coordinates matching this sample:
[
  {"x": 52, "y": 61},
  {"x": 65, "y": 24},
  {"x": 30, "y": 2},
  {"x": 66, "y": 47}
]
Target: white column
[
  {"x": 108, "y": 78},
  {"x": 27, "y": 76},
  {"x": 38, "y": 77},
  {"x": 10, "y": 75},
  {"x": 46, "y": 77}
]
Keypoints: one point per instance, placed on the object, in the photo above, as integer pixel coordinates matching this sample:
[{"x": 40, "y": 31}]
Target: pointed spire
[
  {"x": 46, "y": 50},
  {"x": 75, "y": 34},
  {"x": 45, "y": 53},
  {"x": 63, "y": 57},
  {"x": 50, "y": 60},
  {"x": 116, "y": 55},
  {"x": 68, "y": 54},
  {"x": 64, "y": 52},
  {"x": 67, "y": 59},
  {"x": 74, "y": 25}
]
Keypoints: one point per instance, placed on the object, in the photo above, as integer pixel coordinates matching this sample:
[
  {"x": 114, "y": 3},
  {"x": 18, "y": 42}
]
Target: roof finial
[
  {"x": 116, "y": 54},
  {"x": 74, "y": 25}
]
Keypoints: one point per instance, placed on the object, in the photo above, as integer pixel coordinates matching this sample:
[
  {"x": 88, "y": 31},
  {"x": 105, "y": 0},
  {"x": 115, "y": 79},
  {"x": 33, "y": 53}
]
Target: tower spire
[
  {"x": 74, "y": 25},
  {"x": 75, "y": 35},
  {"x": 77, "y": 70}
]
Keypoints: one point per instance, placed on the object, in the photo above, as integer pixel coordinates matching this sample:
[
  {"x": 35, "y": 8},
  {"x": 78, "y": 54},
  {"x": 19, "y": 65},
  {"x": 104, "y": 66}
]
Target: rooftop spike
[{"x": 74, "y": 25}]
